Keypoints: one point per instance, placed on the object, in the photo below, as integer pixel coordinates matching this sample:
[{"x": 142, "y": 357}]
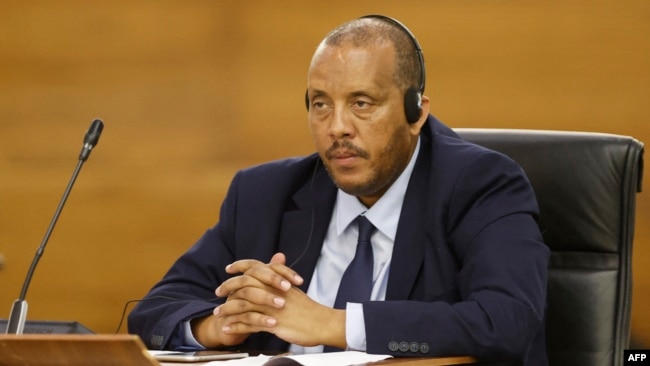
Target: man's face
[{"x": 356, "y": 117}]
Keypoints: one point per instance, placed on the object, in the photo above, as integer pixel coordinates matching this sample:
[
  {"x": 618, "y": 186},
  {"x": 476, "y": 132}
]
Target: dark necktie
[{"x": 356, "y": 283}]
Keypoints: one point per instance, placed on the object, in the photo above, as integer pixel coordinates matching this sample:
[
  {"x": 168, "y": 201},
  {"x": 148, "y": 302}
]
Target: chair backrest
[{"x": 586, "y": 185}]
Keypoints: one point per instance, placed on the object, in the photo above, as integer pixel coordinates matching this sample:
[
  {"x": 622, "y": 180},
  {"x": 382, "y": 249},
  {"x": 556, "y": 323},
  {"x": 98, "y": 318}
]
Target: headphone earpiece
[{"x": 412, "y": 105}]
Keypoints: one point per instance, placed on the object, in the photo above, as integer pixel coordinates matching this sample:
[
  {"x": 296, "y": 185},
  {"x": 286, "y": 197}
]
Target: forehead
[{"x": 348, "y": 65}]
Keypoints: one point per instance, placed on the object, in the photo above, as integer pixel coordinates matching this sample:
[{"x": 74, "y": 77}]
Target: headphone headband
[{"x": 416, "y": 44}]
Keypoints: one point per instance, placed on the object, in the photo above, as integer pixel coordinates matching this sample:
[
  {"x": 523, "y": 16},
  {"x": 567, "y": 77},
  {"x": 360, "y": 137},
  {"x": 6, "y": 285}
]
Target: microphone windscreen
[{"x": 95, "y": 130}]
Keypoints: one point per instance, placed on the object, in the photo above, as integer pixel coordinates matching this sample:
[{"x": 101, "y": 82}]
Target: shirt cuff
[
  {"x": 188, "y": 337},
  {"x": 355, "y": 327}
]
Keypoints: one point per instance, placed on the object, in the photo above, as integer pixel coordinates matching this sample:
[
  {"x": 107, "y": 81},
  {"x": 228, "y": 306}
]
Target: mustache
[{"x": 348, "y": 146}]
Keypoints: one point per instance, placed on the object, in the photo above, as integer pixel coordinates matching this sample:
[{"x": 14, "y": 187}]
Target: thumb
[{"x": 278, "y": 258}]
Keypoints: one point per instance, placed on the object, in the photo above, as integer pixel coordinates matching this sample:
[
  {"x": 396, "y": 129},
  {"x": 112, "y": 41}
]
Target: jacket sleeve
[{"x": 187, "y": 290}]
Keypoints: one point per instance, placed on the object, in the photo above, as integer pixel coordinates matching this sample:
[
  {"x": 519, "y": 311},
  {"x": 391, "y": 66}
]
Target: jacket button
[
  {"x": 157, "y": 340},
  {"x": 403, "y": 346},
  {"x": 393, "y": 346},
  {"x": 424, "y": 347},
  {"x": 414, "y": 347}
]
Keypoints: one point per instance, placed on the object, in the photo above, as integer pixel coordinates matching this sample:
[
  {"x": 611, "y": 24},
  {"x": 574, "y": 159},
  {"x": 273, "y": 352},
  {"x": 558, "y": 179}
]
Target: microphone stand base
[{"x": 17, "y": 317}]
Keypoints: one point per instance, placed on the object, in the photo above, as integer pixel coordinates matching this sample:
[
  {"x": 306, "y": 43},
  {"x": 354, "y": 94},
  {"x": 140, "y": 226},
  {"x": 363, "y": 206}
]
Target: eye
[
  {"x": 318, "y": 105},
  {"x": 363, "y": 104}
]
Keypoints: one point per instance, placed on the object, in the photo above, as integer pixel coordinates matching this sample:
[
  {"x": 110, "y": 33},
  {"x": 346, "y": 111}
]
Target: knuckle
[
  {"x": 250, "y": 318},
  {"x": 243, "y": 292},
  {"x": 242, "y": 305}
]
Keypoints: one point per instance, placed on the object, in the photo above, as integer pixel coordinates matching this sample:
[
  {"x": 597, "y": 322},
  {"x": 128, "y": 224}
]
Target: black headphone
[{"x": 413, "y": 96}]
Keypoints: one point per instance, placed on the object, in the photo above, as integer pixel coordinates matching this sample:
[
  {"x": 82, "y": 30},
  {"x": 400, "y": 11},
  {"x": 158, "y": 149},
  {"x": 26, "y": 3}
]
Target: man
[{"x": 457, "y": 261}]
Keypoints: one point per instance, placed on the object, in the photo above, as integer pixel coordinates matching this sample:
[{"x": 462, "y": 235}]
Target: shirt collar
[{"x": 385, "y": 213}]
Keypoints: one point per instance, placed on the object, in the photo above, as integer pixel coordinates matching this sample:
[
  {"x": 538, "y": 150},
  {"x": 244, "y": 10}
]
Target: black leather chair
[{"x": 586, "y": 185}]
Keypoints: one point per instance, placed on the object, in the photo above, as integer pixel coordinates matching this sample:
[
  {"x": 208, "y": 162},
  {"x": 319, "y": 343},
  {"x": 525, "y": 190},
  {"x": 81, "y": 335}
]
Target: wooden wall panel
[{"x": 192, "y": 91}]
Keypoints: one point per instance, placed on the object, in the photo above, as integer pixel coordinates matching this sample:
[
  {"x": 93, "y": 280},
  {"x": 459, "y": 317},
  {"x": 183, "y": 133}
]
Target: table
[
  {"x": 417, "y": 361},
  {"x": 429, "y": 361},
  {"x": 127, "y": 350}
]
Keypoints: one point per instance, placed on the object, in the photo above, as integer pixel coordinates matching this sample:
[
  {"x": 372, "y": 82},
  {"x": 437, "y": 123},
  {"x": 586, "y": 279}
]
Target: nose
[{"x": 341, "y": 124}]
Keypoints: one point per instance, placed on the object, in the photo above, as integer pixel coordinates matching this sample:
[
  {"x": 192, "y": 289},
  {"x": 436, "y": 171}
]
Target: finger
[
  {"x": 277, "y": 264},
  {"x": 287, "y": 273},
  {"x": 248, "y": 322},
  {"x": 264, "y": 274},
  {"x": 278, "y": 258},
  {"x": 242, "y": 265},
  {"x": 207, "y": 331},
  {"x": 233, "y": 284},
  {"x": 265, "y": 324},
  {"x": 256, "y": 296},
  {"x": 235, "y": 307}
]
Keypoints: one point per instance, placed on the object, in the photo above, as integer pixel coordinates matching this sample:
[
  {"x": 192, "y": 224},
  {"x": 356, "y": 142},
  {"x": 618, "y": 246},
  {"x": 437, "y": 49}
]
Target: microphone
[
  {"x": 91, "y": 138},
  {"x": 18, "y": 315}
]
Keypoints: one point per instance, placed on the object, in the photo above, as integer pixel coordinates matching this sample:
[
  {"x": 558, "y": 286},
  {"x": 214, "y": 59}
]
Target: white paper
[
  {"x": 314, "y": 359},
  {"x": 247, "y": 361}
]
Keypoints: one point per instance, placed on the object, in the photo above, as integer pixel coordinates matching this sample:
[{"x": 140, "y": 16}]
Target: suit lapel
[
  {"x": 303, "y": 229},
  {"x": 408, "y": 251}
]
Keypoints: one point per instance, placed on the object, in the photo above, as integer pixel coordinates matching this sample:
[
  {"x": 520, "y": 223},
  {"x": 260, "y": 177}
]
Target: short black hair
[{"x": 365, "y": 31}]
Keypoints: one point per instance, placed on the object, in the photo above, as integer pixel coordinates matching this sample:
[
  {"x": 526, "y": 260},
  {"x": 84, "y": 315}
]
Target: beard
[
  {"x": 381, "y": 174},
  {"x": 374, "y": 185}
]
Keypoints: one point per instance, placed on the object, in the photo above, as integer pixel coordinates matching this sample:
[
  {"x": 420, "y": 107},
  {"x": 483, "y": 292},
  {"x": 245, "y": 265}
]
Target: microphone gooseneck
[{"x": 18, "y": 315}]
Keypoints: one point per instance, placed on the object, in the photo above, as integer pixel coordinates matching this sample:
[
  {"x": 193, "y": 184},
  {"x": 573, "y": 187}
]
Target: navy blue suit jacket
[{"x": 468, "y": 272}]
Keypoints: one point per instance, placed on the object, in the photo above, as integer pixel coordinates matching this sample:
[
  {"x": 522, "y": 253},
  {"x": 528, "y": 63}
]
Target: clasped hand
[{"x": 264, "y": 298}]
